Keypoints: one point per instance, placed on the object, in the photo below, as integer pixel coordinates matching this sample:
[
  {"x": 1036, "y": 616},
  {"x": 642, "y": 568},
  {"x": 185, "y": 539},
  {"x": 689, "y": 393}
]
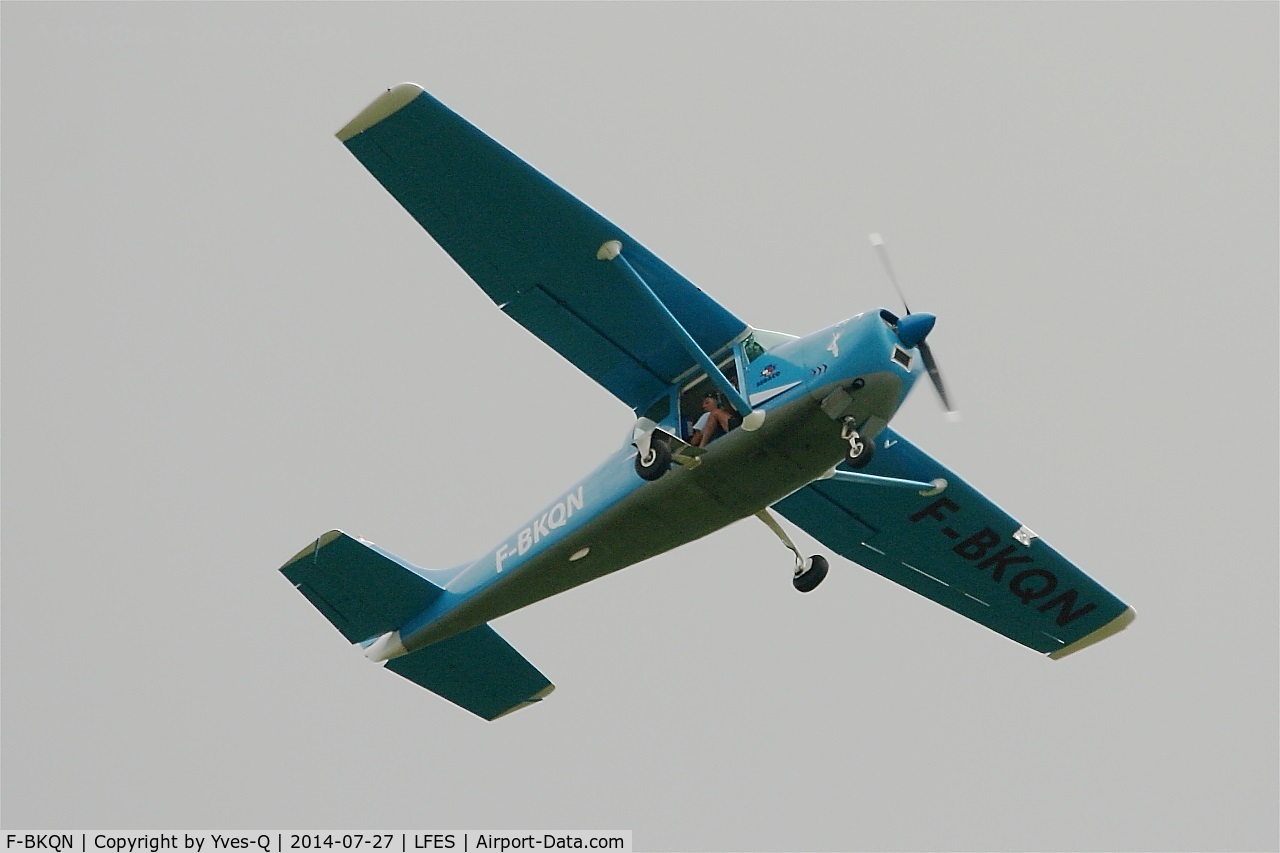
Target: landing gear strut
[
  {"x": 809, "y": 572},
  {"x": 860, "y": 449}
]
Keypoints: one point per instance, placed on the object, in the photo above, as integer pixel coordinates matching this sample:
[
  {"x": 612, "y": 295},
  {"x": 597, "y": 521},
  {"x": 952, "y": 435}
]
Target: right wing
[
  {"x": 959, "y": 549},
  {"x": 531, "y": 246}
]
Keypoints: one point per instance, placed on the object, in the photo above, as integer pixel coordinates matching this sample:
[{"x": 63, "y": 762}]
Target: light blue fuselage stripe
[{"x": 738, "y": 475}]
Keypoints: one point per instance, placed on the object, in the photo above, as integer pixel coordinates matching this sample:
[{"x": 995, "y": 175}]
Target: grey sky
[{"x": 221, "y": 337}]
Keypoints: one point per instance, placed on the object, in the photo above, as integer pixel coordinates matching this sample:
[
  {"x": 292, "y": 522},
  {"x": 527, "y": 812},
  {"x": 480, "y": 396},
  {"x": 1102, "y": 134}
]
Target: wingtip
[
  {"x": 1115, "y": 626},
  {"x": 383, "y": 106},
  {"x": 312, "y": 547},
  {"x": 532, "y": 700}
]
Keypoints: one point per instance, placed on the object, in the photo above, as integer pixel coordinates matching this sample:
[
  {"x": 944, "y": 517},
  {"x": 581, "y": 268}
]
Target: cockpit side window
[{"x": 751, "y": 348}]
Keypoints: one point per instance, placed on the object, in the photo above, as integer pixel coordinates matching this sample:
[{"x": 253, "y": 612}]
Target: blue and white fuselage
[
  {"x": 787, "y": 411},
  {"x": 611, "y": 518}
]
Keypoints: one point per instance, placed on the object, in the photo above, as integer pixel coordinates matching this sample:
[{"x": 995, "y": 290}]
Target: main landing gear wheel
[
  {"x": 656, "y": 463},
  {"x": 812, "y": 574},
  {"x": 860, "y": 449},
  {"x": 809, "y": 573}
]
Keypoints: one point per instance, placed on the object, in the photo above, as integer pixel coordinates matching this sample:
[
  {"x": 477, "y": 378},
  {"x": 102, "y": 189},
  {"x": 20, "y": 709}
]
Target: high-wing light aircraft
[{"x": 799, "y": 425}]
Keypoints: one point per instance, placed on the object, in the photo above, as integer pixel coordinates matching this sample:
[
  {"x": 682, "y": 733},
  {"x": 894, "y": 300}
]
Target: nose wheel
[
  {"x": 860, "y": 449},
  {"x": 809, "y": 572}
]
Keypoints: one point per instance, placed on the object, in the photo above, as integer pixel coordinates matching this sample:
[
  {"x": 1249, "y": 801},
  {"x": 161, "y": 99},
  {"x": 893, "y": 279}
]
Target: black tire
[
  {"x": 808, "y": 580},
  {"x": 858, "y": 458},
  {"x": 658, "y": 463}
]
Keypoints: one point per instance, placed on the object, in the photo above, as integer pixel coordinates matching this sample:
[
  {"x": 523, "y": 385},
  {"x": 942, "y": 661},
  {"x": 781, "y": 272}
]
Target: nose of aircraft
[{"x": 914, "y": 328}]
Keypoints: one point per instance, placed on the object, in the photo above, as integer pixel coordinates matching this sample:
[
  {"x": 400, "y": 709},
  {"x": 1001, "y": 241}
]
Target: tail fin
[{"x": 366, "y": 592}]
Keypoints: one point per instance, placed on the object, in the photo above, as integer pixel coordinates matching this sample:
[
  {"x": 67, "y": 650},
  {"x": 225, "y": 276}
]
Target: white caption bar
[{"x": 275, "y": 841}]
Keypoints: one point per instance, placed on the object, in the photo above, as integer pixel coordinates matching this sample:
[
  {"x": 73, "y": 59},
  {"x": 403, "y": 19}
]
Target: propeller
[{"x": 914, "y": 327}]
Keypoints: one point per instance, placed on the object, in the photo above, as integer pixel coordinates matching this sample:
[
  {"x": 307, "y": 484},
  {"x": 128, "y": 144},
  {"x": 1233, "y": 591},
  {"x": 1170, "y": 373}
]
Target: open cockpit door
[
  {"x": 678, "y": 411},
  {"x": 693, "y": 415}
]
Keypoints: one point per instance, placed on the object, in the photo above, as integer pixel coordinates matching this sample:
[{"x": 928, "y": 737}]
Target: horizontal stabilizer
[
  {"x": 366, "y": 592},
  {"x": 476, "y": 670},
  {"x": 361, "y": 589}
]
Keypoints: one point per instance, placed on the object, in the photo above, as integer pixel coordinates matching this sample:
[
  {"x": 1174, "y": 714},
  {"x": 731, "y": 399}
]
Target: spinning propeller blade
[
  {"x": 931, "y": 365},
  {"x": 926, "y": 354},
  {"x": 883, "y": 253}
]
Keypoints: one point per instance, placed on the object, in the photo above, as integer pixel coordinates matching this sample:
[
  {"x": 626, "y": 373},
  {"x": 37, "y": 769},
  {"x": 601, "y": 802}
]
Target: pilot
[{"x": 715, "y": 422}]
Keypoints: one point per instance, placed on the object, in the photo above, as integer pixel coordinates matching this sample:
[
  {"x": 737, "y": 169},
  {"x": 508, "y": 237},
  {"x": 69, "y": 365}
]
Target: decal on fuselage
[
  {"x": 1026, "y": 581},
  {"x": 768, "y": 374},
  {"x": 541, "y": 528}
]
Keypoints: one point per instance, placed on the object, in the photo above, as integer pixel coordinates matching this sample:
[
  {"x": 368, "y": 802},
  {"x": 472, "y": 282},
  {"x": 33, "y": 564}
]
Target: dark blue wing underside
[
  {"x": 531, "y": 246},
  {"x": 956, "y": 548}
]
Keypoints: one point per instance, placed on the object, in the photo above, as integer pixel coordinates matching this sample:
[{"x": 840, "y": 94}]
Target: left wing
[
  {"x": 531, "y": 246},
  {"x": 959, "y": 549}
]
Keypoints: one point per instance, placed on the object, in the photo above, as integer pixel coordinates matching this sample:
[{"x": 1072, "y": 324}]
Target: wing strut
[
  {"x": 931, "y": 488},
  {"x": 751, "y": 419}
]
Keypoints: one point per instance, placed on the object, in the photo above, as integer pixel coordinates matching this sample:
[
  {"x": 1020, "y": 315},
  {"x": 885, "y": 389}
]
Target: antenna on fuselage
[{"x": 926, "y": 354}]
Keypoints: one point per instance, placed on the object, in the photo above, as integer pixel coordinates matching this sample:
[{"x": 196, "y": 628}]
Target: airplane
[{"x": 799, "y": 426}]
